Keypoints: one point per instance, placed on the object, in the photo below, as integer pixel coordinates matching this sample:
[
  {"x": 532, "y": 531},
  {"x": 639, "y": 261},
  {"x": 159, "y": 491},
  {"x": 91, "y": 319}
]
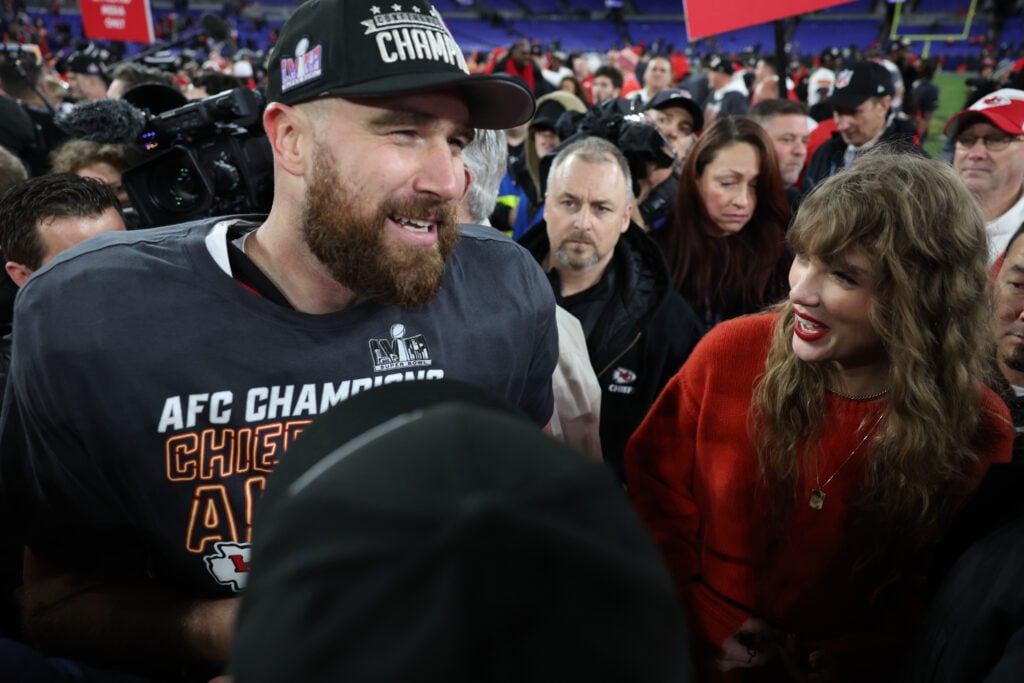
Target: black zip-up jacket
[
  {"x": 828, "y": 158},
  {"x": 638, "y": 337}
]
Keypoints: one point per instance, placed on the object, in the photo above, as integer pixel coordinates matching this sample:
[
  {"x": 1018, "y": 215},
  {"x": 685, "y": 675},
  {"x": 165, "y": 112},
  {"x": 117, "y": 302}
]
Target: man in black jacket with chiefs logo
[{"x": 607, "y": 272}]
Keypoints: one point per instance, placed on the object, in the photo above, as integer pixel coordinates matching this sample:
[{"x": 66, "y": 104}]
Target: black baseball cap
[
  {"x": 87, "y": 63},
  {"x": 858, "y": 82},
  {"x": 674, "y": 97},
  {"x": 901, "y": 44},
  {"x": 362, "y": 48},
  {"x": 427, "y": 531},
  {"x": 548, "y": 113},
  {"x": 721, "y": 64},
  {"x": 830, "y": 53}
]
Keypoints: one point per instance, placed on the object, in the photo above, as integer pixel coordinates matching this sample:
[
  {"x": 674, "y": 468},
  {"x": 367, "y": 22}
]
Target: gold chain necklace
[
  {"x": 868, "y": 397},
  {"x": 817, "y": 500}
]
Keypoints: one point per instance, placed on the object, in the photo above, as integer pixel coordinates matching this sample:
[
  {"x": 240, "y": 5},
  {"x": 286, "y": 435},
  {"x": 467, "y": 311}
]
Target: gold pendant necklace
[
  {"x": 868, "y": 397},
  {"x": 817, "y": 500}
]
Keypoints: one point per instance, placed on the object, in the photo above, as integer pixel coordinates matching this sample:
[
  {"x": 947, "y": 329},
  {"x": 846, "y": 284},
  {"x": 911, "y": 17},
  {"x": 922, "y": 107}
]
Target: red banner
[
  {"x": 708, "y": 17},
  {"x": 127, "y": 20}
]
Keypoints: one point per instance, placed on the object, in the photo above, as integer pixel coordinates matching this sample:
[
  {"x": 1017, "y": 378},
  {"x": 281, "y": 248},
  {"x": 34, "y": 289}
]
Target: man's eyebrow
[{"x": 397, "y": 117}]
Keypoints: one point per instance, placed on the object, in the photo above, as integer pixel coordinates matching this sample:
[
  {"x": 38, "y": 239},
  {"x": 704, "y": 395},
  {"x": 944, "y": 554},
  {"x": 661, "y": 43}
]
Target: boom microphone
[{"x": 104, "y": 121}]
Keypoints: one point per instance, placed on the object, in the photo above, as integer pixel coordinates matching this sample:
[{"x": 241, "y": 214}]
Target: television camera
[{"x": 209, "y": 157}]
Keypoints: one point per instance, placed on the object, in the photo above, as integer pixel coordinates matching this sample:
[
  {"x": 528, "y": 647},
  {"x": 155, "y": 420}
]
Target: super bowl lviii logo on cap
[
  {"x": 403, "y": 36},
  {"x": 303, "y": 67}
]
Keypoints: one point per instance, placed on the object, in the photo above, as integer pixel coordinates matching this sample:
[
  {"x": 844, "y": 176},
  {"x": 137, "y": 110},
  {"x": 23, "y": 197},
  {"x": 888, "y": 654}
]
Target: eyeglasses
[{"x": 994, "y": 143}]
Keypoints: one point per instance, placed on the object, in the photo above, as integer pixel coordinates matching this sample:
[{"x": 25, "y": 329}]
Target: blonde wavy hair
[{"x": 924, "y": 235}]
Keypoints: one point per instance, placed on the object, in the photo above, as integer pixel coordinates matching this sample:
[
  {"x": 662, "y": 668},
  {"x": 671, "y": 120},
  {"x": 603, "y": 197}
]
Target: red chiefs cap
[{"x": 1004, "y": 109}]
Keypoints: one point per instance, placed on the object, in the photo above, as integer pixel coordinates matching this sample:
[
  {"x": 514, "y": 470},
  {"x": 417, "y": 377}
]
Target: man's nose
[{"x": 440, "y": 173}]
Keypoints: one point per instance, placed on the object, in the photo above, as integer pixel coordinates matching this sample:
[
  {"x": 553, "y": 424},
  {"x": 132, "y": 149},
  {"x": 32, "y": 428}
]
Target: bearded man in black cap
[{"x": 145, "y": 412}]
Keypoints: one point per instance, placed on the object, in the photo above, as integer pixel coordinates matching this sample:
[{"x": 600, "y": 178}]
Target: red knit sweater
[{"x": 692, "y": 473}]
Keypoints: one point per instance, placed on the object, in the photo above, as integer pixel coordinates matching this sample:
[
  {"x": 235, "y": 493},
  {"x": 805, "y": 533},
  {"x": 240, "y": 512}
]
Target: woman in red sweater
[{"x": 797, "y": 468}]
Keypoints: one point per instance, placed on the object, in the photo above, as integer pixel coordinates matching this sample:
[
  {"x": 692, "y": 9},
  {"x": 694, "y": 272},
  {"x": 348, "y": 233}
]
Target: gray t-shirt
[{"x": 151, "y": 394}]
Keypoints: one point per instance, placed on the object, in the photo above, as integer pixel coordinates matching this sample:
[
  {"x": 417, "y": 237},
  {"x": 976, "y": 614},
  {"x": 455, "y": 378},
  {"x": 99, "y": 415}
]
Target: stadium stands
[{"x": 587, "y": 25}]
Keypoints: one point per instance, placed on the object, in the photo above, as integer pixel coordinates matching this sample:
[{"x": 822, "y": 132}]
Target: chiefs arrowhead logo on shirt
[
  {"x": 229, "y": 564},
  {"x": 623, "y": 376},
  {"x": 622, "y": 380}
]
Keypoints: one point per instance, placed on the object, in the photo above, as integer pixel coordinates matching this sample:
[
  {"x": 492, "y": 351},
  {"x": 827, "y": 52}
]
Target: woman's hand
[{"x": 754, "y": 644}]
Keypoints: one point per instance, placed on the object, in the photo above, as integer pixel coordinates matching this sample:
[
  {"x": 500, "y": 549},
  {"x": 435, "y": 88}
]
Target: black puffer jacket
[{"x": 643, "y": 334}]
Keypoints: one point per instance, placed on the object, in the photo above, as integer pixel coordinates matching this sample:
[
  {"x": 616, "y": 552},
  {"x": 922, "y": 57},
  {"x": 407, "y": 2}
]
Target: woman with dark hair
[
  {"x": 798, "y": 468},
  {"x": 725, "y": 239}
]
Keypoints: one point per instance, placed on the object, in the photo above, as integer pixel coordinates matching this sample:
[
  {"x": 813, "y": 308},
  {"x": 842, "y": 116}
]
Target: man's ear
[
  {"x": 289, "y": 130},
  {"x": 469, "y": 181},
  {"x": 18, "y": 272}
]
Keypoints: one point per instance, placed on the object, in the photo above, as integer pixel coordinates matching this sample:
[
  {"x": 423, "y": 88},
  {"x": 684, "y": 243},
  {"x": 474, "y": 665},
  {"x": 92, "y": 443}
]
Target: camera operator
[{"x": 146, "y": 411}]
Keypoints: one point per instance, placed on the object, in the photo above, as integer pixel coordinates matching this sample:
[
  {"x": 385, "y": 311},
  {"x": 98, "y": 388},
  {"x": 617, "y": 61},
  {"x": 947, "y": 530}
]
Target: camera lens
[{"x": 177, "y": 188}]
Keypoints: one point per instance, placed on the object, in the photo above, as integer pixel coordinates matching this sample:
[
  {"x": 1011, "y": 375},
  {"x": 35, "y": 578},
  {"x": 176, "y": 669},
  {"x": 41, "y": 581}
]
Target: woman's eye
[{"x": 844, "y": 278}]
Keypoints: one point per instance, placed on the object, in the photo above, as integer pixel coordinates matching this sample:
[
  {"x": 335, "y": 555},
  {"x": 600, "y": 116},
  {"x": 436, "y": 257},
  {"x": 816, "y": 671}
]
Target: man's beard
[
  {"x": 568, "y": 256},
  {"x": 1015, "y": 359},
  {"x": 348, "y": 236}
]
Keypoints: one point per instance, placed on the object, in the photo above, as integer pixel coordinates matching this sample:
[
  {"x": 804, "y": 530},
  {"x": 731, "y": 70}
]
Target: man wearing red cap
[{"x": 990, "y": 159}]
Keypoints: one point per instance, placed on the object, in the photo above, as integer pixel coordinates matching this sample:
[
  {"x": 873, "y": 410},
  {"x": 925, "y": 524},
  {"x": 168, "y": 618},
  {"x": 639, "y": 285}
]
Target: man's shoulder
[
  {"x": 833, "y": 144},
  {"x": 486, "y": 255},
  {"x": 831, "y": 150},
  {"x": 483, "y": 233},
  {"x": 109, "y": 244},
  {"x": 119, "y": 256},
  {"x": 484, "y": 242},
  {"x": 639, "y": 245}
]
